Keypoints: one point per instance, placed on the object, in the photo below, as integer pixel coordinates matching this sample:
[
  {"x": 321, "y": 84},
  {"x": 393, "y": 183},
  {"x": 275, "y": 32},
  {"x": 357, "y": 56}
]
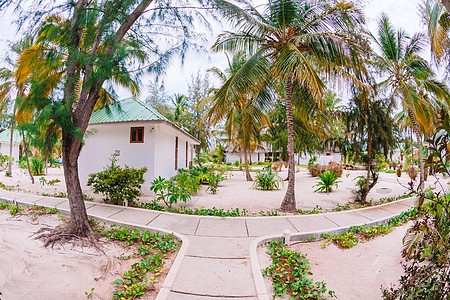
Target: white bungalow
[
  {"x": 139, "y": 136},
  {"x": 5, "y": 140}
]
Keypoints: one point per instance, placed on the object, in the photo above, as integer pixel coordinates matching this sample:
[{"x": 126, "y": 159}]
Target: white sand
[
  {"x": 30, "y": 271},
  {"x": 236, "y": 192},
  {"x": 356, "y": 273}
]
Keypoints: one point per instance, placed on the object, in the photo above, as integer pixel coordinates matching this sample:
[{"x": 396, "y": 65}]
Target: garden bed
[{"x": 69, "y": 271}]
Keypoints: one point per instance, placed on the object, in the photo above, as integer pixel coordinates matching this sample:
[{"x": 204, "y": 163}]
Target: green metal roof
[
  {"x": 125, "y": 110},
  {"x": 128, "y": 110},
  {"x": 5, "y": 136}
]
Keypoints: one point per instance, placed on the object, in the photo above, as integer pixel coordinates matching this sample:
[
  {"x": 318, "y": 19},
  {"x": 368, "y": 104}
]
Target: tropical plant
[
  {"x": 267, "y": 180},
  {"x": 328, "y": 179},
  {"x": 293, "y": 41},
  {"x": 410, "y": 79},
  {"x": 167, "y": 191},
  {"x": 243, "y": 111},
  {"x": 119, "y": 185},
  {"x": 95, "y": 47},
  {"x": 37, "y": 166},
  {"x": 369, "y": 125}
]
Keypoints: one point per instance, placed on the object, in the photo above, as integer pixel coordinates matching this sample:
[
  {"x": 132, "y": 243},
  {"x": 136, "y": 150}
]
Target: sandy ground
[
  {"x": 30, "y": 271},
  {"x": 236, "y": 192},
  {"x": 356, "y": 273}
]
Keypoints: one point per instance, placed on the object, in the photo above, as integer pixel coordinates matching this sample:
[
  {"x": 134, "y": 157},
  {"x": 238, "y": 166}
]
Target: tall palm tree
[
  {"x": 295, "y": 41},
  {"x": 243, "y": 111},
  {"x": 410, "y": 79},
  {"x": 12, "y": 84}
]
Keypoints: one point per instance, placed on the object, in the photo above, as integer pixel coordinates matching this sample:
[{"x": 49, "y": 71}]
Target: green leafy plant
[
  {"x": 118, "y": 184},
  {"x": 151, "y": 248},
  {"x": 42, "y": 181},
  {"x": 328, "y": 179},
  {"x": 290, "y": 274},
  {"x": 53, "y": 181},
  {"x": 89, "y": 295},
  {"x": 267, "y": 180},
  {"x": 167, "y": 191},
  {"x": 37, "y": 166}
]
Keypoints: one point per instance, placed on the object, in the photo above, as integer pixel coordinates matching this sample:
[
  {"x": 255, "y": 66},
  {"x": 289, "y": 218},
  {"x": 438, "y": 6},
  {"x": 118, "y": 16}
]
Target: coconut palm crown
[
  {"x": 296, "y": 42},
  {"x": 409, "y": 78}
]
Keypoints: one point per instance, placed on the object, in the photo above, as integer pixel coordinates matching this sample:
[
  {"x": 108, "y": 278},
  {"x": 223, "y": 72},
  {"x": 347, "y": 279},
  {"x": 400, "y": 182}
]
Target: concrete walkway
[{"x": 218, "y": 256}]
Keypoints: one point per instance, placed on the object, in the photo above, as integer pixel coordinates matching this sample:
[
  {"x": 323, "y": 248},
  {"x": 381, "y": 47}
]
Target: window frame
[{"x": 137, "y": 141}]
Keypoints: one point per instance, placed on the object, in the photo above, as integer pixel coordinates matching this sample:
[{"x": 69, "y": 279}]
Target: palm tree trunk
[
  {"x": 419, "y": 145},
  {"x": 369, "y": 158},
  {"x": 26, "y": 157},
  {"x": 289, "y": 203},
  {"x": 240, "y": 158},
  {"x": 11, "y": 143},
  {"x": 247, "y": 171},
  {"x": 197, "y": 150}
]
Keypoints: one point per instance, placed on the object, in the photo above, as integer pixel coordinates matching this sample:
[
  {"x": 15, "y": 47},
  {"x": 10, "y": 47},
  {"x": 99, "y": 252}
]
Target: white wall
[
  {"x": 232, "y": 157},
  {"x": 322, "y": 158},
  {"x": 165, "y": 151},
  {"x": 104, "y": 139},
  {"x": 4, "y": 150},
  {"x": 157, "y": 153}
]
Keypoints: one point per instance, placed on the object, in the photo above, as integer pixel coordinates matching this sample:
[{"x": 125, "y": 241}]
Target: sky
[{"x": 403, "y": 13}]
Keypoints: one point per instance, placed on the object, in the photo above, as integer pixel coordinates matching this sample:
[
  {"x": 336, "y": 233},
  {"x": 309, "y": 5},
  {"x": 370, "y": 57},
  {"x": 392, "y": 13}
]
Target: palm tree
[
  {"x": 11, "y": 83},
  {"x": 437, "y": 21},
  {"x": 180, "y": 103},
  {"x": 243, "y": 111},
  {"x": 295, "y": 41},
  {"x": 410, "y": 79}
]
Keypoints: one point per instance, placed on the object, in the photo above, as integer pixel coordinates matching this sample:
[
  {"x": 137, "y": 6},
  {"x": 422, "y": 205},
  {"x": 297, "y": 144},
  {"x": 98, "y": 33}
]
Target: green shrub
[
  {"x": 312, "y": 160},
  {"x": 236, "y": 163},
  {"x": 23, "y": 162},
  {"x": 118, "y": 184},
  {"x": 267, "y": 180},
  {"x": 290, "y": 273},
  {"x": 213, "y": 179},
  {"x": 36, "y": 166},
  {"x": 168, "y": 191},
  {"x": 327, "y": 180},
  {"x": 4, "y": 159},
  {"x": 191, "y": 183}
]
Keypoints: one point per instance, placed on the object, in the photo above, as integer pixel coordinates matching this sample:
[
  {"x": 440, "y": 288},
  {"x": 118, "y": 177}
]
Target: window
[
  {"x": 186, "y": 154},
  {"x": 137, "y": 135},
  {"x": 176, "y": 153}
]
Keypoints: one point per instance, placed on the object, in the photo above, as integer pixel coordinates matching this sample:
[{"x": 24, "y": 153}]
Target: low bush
[
  {"x": 328, "y": 179},
  {"x": 37, "y": 166},
  {"x": 168, "y": 191},
  {"x": 118, "y": 184},
  {"x": 290, "y": 274},
  {"x": 267, "y": 180},
  {"x": 315, "y": 169},
  {"x": 4, "y": 160}
]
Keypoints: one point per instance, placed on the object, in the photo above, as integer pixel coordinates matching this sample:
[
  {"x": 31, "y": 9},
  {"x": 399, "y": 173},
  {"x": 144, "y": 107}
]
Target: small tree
[{"x": 118, "y": 184}]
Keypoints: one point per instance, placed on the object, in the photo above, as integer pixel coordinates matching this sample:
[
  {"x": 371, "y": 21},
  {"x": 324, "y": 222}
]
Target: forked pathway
[{"x": 215, "y": 263}]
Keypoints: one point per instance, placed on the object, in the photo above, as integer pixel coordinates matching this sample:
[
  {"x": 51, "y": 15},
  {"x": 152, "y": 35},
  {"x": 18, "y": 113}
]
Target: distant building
[
  {"x": 5, "y": 140},
  {"x": 139, "y": 136}
]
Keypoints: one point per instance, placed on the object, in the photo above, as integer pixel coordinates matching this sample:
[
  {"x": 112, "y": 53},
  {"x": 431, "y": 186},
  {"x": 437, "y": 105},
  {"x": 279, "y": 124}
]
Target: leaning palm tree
[
  {"x": 410, "y": 79},
  {"x": 295, "y": 41}
]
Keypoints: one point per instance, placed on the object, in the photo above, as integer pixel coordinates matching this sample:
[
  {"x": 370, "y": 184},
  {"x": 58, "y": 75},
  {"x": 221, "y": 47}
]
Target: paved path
[{"x": 217, "y": 260}]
